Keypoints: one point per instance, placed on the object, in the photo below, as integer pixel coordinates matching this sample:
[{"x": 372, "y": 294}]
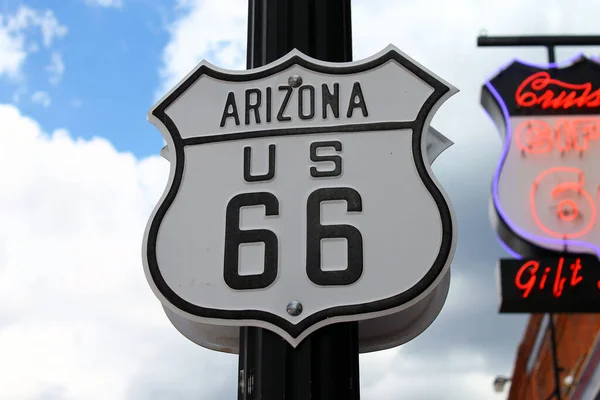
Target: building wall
[{"x": 575, "y": 336}]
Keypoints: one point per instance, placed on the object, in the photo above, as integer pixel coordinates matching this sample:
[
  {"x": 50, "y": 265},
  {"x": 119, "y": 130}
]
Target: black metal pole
[
  {"x": 553, "y": 347},
  {"x": 319, "y": 28},
  {"x": 551, "y": 54},
  {"x": 325, "y": 366}
]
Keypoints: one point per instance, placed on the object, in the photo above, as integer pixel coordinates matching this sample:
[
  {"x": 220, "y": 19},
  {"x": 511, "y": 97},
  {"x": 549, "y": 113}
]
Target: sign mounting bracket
[{"x": 549, "y": 42}]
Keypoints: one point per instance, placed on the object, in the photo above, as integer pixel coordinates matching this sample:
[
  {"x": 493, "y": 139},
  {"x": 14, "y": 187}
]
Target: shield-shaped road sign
[
  {"x": 300, "y": 195},
  {"x": 546, "y": 188}
]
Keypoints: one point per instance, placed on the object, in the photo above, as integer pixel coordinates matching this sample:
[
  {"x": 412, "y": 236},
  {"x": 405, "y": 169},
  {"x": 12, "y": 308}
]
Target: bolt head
[
  {"x": 295, "y": 81},
  {"x": 294, "y": 308},
  {"x": 569, "y": 380}
]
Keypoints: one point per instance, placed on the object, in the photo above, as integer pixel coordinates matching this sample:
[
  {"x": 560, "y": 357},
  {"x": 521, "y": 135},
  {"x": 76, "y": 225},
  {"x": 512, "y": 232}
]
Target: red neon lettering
[
  {"x": 571, "y": 95},
  {"x": 531, "y": 267},
  {"x": 567, "y": 210},
  {"x": 559, "y": 281},
  {"x": 536, "y": 136},
  {"x": 576, "y": 267},
  {"x": 544, "y": 277}
]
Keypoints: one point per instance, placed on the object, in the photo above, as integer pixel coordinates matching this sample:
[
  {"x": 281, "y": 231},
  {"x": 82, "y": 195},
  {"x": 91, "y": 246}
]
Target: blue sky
[
  {"x": 111, "y": 76},
  {"x": 80, "y": 175}
]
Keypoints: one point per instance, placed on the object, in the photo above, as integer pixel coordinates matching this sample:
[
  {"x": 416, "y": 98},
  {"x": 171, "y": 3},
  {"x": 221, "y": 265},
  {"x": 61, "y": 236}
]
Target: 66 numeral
[
  {"x": 315, "y": 232},
  {"x": 234, "y": 236}
]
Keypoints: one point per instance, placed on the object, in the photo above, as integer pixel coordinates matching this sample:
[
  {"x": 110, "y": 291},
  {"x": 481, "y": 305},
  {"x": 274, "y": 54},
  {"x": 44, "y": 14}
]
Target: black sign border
[{"x": 295, "y": 330}]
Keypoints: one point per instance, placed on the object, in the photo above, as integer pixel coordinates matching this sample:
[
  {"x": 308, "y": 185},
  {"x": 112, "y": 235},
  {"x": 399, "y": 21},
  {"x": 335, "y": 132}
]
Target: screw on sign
[
  {"x": 546, "y": 189},
  {"x": 301, "y": 195}
]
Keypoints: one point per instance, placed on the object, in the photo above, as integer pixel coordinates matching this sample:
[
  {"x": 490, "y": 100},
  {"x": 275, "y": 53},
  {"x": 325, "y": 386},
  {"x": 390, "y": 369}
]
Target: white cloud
[
  {"x": 27, "y": 17},
  {"x": 76, "y": 315},
  {"x": 105, "y": 3},
  {"x": 12, "y": 53},
  {"x": 211, "y": 29},
  {"x": 15, "y": 43},
  {"x": 41, "y": 97},
  {"x": 455, "y": 376},
  {"x": 56, "y": 68}
]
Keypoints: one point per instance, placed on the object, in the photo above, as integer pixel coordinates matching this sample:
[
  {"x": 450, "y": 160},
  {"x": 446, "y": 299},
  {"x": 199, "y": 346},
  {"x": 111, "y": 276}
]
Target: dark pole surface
[
  {"x": 325, "y": 366},
  {"x": 555, "y": 366},
  {"x": 319, "y": 28}
]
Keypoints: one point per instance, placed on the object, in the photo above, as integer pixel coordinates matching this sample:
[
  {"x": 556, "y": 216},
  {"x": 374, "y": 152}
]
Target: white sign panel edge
[{"x": 374, "y": 334}]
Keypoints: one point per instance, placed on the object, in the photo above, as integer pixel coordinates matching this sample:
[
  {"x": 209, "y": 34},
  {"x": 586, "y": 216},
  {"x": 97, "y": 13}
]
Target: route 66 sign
[
  {"x": 546, "y": 187},
  {"x": 300, "y": 195}
]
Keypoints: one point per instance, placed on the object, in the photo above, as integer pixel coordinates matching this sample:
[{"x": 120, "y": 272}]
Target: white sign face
[{"x": 300, "y": 194}]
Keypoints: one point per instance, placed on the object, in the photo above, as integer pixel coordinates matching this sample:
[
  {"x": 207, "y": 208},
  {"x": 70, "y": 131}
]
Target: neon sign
[
  {"x": 536, "y": 91},
  {"x": 546, "y": 188},
  {"x": 559, "y": 284}
]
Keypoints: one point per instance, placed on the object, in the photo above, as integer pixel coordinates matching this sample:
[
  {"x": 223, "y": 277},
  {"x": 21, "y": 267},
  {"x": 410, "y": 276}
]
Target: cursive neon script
[
  {"x": 532, "y": 268},
  {"x": 535, "y": 91}
]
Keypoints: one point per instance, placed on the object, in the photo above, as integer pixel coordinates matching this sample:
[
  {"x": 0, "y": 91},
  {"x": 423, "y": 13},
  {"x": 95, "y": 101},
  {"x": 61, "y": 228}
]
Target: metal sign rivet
[
  {"x": 295, "y": 81},
  {"x": 294, "y": 308}
]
